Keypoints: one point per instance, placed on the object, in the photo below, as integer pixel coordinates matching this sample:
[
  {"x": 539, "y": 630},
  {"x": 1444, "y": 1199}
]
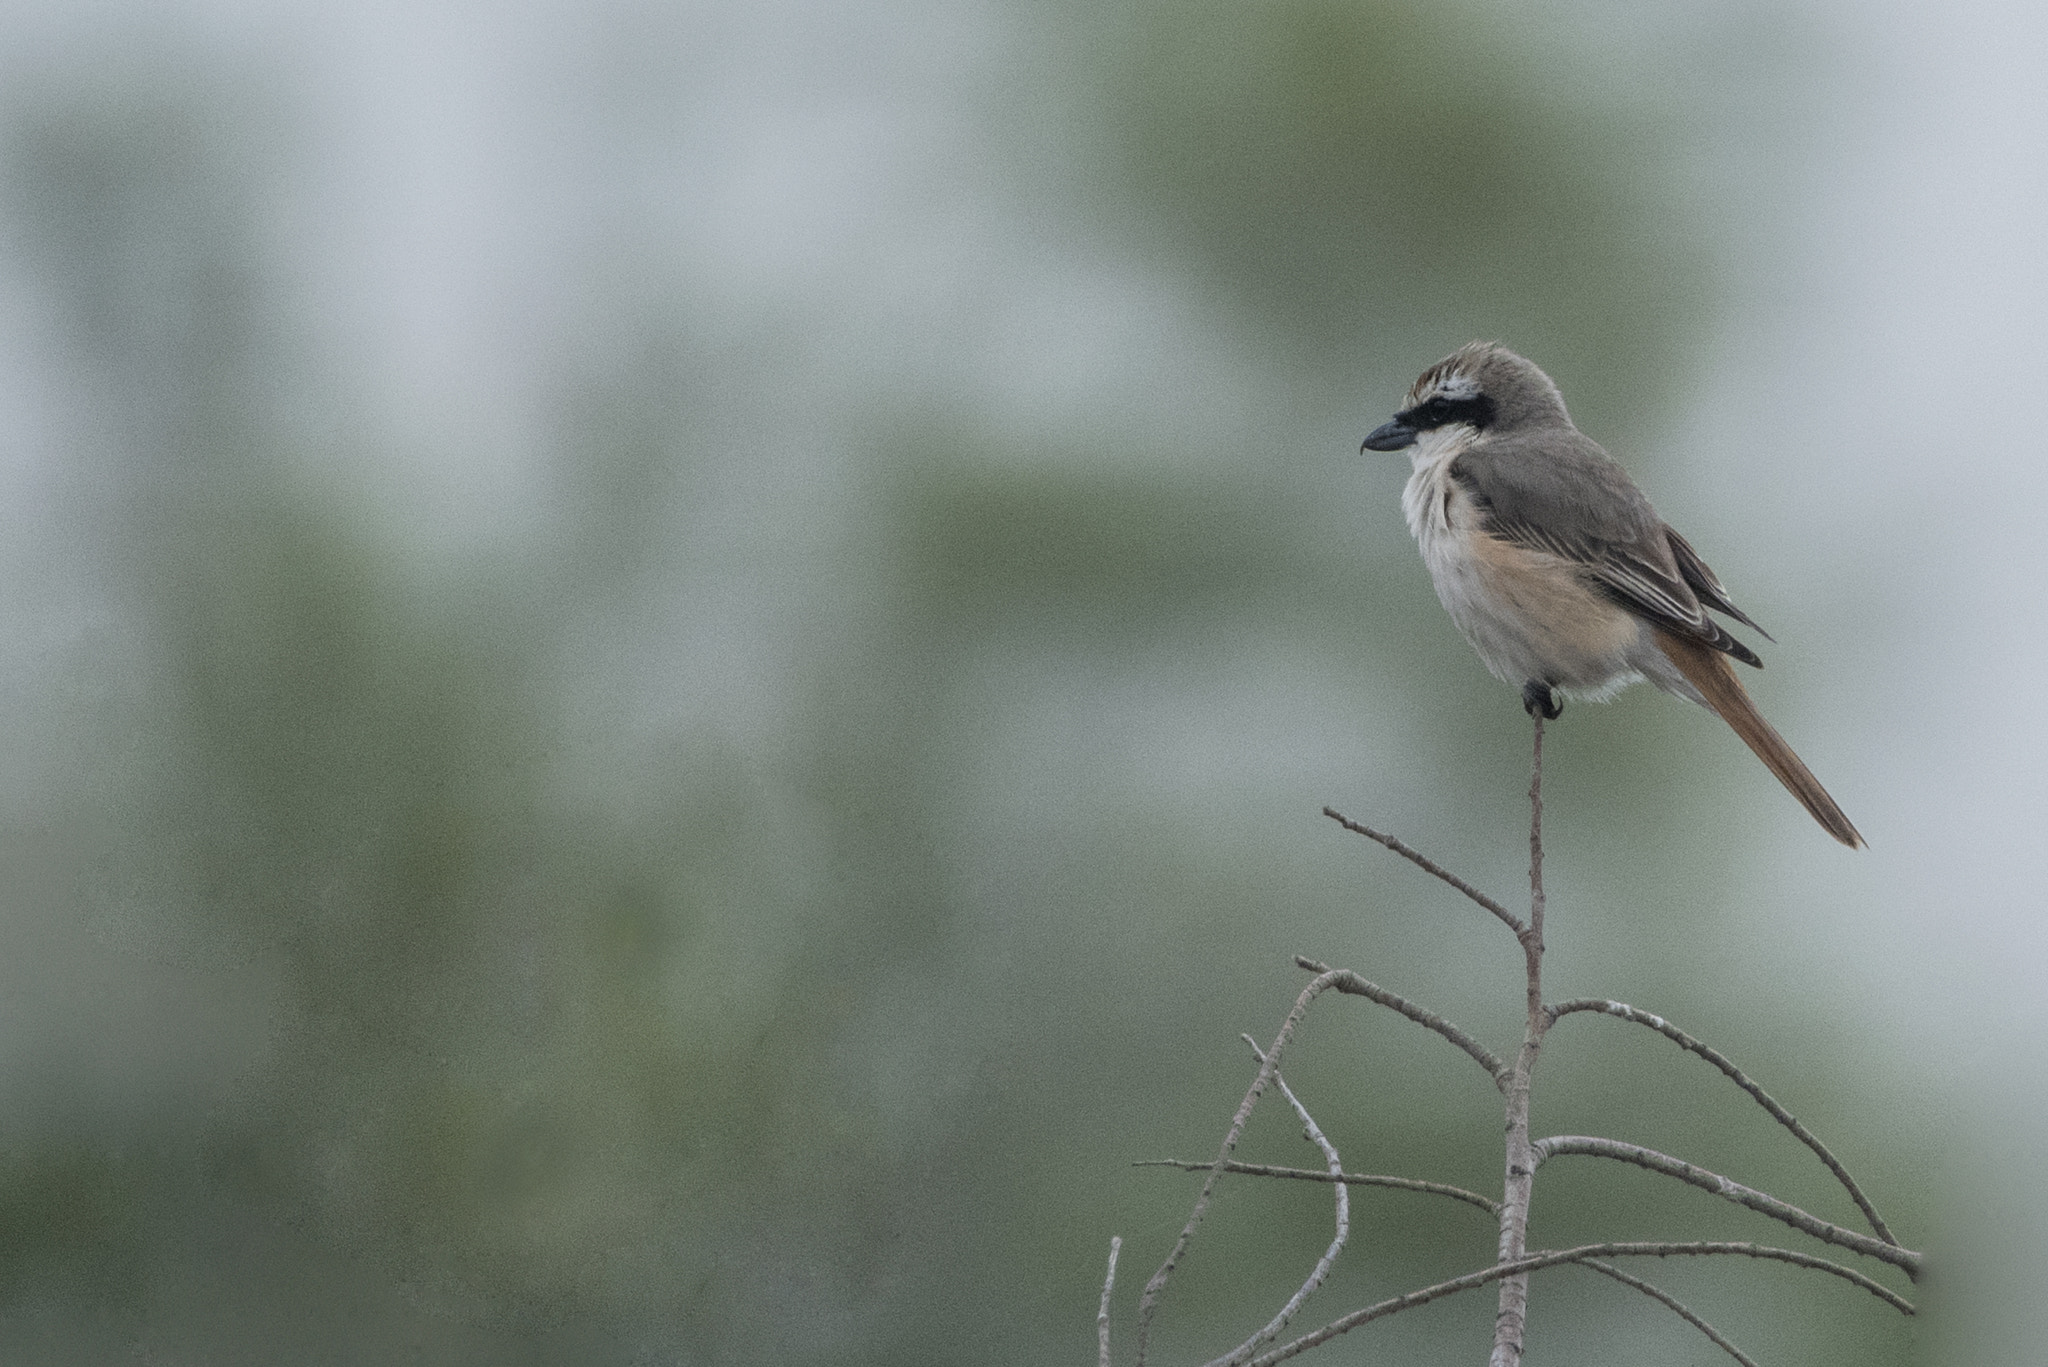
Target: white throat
[{"x": 1426, "y": 502}]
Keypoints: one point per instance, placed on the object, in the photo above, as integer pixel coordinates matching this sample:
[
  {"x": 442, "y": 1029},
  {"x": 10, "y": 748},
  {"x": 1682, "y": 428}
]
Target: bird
[{"x": 1555, "y": 567}]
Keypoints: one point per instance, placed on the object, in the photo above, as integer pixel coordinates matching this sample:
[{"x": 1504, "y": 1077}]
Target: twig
[
  {"x": 1116, "y": 1246},
  {"x": 1314, "y": 1134},
  {"x": 1349, "y": 983},
  {"x": 1518, "y": 1186},
  {"x": 1558, "y": 1257},
  {"x": 1623, "y": 1011},
  {"x": 1428, "y": 866},
  {"x": 1355, "y": 1179},
  {"x": 1760, "y": 1202},
  {"x": 1676, "y": 1306},
  {"x": 1149, "y": 1302}
]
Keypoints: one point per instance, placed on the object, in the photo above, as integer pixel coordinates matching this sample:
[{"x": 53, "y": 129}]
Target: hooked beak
[{"x": 1389, "y": 436}]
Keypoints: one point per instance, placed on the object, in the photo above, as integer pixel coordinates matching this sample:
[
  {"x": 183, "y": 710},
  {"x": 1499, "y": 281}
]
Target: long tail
[{"x": 1708, "y": 670}]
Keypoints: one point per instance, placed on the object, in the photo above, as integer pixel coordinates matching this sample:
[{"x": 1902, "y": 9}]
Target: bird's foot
[{"x": 1537, "y": 699}]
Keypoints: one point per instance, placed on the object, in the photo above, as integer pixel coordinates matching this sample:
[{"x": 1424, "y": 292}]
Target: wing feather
[
  {"x": 1705, "y": 583},
  {"x": 1615, "y": 548}
]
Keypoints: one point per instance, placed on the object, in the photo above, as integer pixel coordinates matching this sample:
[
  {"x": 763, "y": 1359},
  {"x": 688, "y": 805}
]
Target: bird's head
[{"x": 1483, "y": 386}]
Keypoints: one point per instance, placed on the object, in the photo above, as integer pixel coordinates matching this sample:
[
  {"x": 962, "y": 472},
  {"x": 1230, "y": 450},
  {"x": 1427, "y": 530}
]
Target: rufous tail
[{"x": 1709, "y": 671}]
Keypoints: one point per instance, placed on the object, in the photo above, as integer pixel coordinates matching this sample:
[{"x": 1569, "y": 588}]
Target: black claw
[{"x": 1537, "y": 697}]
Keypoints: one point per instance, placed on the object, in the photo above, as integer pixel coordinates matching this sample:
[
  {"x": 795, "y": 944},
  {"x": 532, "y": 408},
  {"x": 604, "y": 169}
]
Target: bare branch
[
  {"x": 1149, "y": 1302},
  {"x": 1519, "y": 1184},
  {"x": 1761, "y": 1202},
  {"x": 1559, "y": 1257},
  {"x": 1623, "y": 1011},
  {"x": 1428, "y": 866},
  {"x": 1355, "y": 1179},
  {"x": 1116, "y": 1246},
  {"x": 1677, "y": 1307},
  {"x": 1345, "y": 981},
  {"x": 1314, "y": 1134}
]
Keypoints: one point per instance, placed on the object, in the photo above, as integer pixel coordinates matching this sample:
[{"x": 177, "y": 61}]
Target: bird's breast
[{"x": 1528, "y": 613}]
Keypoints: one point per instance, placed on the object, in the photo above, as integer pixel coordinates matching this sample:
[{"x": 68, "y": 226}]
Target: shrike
[{"x": 1554, "y": 565}]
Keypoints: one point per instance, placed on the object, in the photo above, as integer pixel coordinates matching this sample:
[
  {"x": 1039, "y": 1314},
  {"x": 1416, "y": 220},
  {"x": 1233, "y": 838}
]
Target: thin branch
[
  {"x": 1760, "y": 1202},
  {"x": 1355, "y": 1179},
  {"x": 1559, "y": 1257},
  {"x": 1428, "y": 866},
  {"x": 1533, "y": 933},
  {"x": 1519, "y": 1184},
  {"x": 1676, "y": 1306},
  {"x": 1345, "y": 981},
  {"x": 1149, "y": 1302},
  {"x": 1623, "y": 1011},
  {"x": 1314, "y": 1134},
  {"x": 1116, "y": 1246}
]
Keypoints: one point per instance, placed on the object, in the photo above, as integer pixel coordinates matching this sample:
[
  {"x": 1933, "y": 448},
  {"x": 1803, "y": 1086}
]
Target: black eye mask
[{"x": 1442, "y": 412}]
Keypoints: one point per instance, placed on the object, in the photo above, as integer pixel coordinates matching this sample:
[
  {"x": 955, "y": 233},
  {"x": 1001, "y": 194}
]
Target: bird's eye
[{"x": 1440, "y": 408}]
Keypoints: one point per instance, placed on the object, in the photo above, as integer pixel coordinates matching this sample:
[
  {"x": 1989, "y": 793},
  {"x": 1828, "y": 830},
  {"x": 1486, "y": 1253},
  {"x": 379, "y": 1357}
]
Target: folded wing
[{"x": 1609, "y": 529}]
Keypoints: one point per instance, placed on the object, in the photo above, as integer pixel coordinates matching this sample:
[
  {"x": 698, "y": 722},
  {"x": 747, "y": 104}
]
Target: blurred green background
[{"x": 672, "y": 668}]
